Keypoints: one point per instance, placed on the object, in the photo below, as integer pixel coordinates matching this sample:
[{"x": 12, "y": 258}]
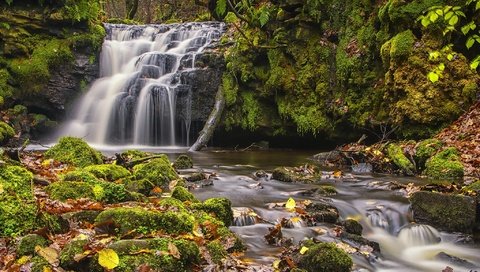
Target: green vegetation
[
  {"x": 74, "y": 247},
  {"x": 220, "y": 207},
  {"x": 157, "y": 171},
  {"x": 74, "y": 151},
  {"x": 445, "y": 165},
  {"x": 426, "y": 149},
  {"x": 18, "y": 209},
  {"x": 27, "y": 244},
  {"x": 216, "y": 251},
  {"x": 110, "y": 172},
  {"x": 182, "y": 194},
  {"x": 6, "y": 132},
  {"x": 323, "y": 257}
]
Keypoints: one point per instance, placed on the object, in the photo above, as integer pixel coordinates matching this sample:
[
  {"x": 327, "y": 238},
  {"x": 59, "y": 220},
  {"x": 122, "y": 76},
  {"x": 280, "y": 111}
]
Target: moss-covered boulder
[
  {"x": 221, "y": 207},
  {"x": 158, "y": 171},
  {"x": 183, "y": 162},
  {"x": 130, "y": 260},
  {"x": 74, "y": 151},
  {"x": 288, "y": 174},
  {"x": 18, "y": 208},
  {"x": 110, "y": 172},
  {"x": 63, "y": 190},
  {"x": 445, "y": 165},
  {"x": 27, "y": 244},
  {"x": 322, "y": 212},
  {"x": 6, "y": 132},
  {"x": 216, "y": 251},
  {"x": 325, "y": 257},
  {"x": 353, "y": 226},
  {"x": 141, "y": 220},
  {"x": 448, "y": 212},
  {"x": 182, "y": 194},
  {"x": 395, "y": 153},
  {"x": 72, "y": 248},
  {"x": 426, "y": 149}
]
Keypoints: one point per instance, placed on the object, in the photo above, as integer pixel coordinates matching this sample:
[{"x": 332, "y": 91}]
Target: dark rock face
[
  {"x": 444, "y": 211},
  {"x": 65, "y": 85}
]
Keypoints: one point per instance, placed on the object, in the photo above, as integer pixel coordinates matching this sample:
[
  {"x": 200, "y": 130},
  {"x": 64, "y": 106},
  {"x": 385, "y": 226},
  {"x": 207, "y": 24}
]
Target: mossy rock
[
  {"x": 27, "y": 244},
  {"x": 183, "y": 162},
  {"x": 353, "y": 226},
  {"x": 67, "y": 254},
  {"x": 140, "y": 220},
  {"x": 158, "y": 171},
  {"x": 287, "y": 174},
  {"x": 216, "y": 251},
  {"x": 63, "y": 190},
  {"x": 172, "y": 204},
  {"x": 143, "y": 186},
  {"x": 74, "y": 151},
  {"x": 182, "y": 194},
  {"x": 6, "y": 132},
  {"x": 445, "y": 165},
  {"x": 395, "y": 153},
  {"x": 134, "y": 154},
  {"x": 18, "y": 208},
  {"x": 221, "y": 207},
  {"x": 447, "y": 212},
  {"x": 39, "y": 264},
  {"x": 110, "y": 172},
  {"x": 325, "y": 257},
  {"x": 426, "y": 149},
  {"x": 79, "y": 176},
  {"x": 322, "y": 212}
]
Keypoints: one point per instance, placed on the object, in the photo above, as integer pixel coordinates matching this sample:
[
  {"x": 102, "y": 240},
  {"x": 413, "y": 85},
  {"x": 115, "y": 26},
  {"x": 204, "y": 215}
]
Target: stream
[{"x": 384, "y": 214}]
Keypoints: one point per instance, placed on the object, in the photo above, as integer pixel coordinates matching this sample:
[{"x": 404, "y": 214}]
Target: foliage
[
  {"x": 395, "y": 153},
  {"x": 6, "y": 132},
  {"x": 444, "y": 165},
  {"x": 74, "y": 151},
  {"x": 426, "y": 149}
]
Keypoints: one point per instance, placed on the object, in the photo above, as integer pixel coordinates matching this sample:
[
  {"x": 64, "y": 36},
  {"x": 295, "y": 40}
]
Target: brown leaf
[
  {"x": 173, "y": 250},
  {"x": 49, "y": 254}
]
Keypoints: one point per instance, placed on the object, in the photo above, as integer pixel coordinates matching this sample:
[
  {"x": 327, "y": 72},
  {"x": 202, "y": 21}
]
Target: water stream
[{"x": 384, "y": 214}]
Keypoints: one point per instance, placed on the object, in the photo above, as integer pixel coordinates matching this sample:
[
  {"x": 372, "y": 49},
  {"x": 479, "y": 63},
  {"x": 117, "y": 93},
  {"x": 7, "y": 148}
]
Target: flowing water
[
  {"x": 384, "y": 214},
  {"x": 135, "y": 99}
]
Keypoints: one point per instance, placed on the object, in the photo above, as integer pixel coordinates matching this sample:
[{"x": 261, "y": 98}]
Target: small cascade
[
  {"x": 140, "y": 97},
  {"x": 419, "y": 235}
]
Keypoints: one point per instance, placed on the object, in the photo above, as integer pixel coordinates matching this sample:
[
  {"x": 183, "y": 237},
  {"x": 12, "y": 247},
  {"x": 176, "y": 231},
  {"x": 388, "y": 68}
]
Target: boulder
[{"x": 447, "y": 212}]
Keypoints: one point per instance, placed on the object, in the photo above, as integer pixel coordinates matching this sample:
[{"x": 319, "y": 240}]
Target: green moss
[
  {"x": 445, "y": 165},
  {"x": 395, "y": 153},
  {"x": 74, "y": 151},
  {"x": 140, "y": 220},
  {"x": 182, "y": 194},
  {"x": 134, "y": 154},
  {"x": 143, "y": 186},
  {"x": 426, "y": 149},
  {"x": 183, "y": 162},
  {"x": 220, "y": 207},
  {"x": 385, "y": 53},
  {"x": 172, "y": 204},
  {"x": 6, "y": 132},
  {"x": 67, "y": 255},
  {"x": 402, "y": 45},
  {"x": 63, "y": 190},
  {"x": 473, "y": 187},
  {"x": 17, "y": 203},
  {"x": 158, "y": 171},
  {"x": 110, "y": 172},
  {"x": 27, "y": 244},
  {"x": 325, "y": 257},
  {"x": 230, "y": 89},
  {"x": 110, "y": 192},
  {"x": 33, "y": 73},
  {"x": 404, "y": 14},
  {"x": 80, "y": 176},
  {"x": 216, "y": 251},
  {"x": 5, "y": 89},
  {"x": 39, "y": 264}
]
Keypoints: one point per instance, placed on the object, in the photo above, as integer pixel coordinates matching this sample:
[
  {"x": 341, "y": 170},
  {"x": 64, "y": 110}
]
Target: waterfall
[{"x": 135, "y": 99}]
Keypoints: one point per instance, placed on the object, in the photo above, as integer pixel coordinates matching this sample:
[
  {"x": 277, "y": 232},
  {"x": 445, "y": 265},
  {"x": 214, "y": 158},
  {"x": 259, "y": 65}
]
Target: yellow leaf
[
  {"x": 337, "y": 174},
  {"x": 295, "y": 219},
  {"x": 23, "y": 260},
  {"x": 108, "y": 258},
  {"x": 377, "y": 152},
  {"x": 48, "y": 253},
  {"x": 276, "y": 264},
  {"x": 303, "y": 250},
  {"x": 47, "y": 269},
  {"x": 173, "y": 250},
  {"x": 290, "y": 205},
  {"x": 1, "y": 189},
  {"x": 46, "y": 163}
]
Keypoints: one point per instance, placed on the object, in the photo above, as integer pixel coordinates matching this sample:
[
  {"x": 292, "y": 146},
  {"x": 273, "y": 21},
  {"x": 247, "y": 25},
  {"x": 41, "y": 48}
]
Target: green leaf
[
  {"x": 448, "y": 15},
  {"x": 450, "y": 57},
  {"x": 108, "y": 258},
  {"x": 477, "y": 6},
  {"x": 433, "y": 55},
  {"x": 425, "y": 21},
  {"x": 264, "y": 17},
  {"x": 221, "y": 7},
  {"x": 465, "y": 29},
  {"x": 470, "y": 42},
  {"x": 460, "y": 13},
  {"x": 453, "y": 21},
  {"x": 474, "y": 64},
  {"x": 433, "y": 77},
  {"x": 433, "y": 17}
]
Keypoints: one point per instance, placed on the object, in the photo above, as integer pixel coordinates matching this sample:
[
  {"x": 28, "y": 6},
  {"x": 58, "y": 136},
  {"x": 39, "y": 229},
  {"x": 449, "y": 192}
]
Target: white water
[{"x": 134, "y": 100}]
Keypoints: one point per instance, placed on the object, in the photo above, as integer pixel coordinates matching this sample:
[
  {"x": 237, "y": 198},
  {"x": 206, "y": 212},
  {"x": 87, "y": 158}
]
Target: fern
[
  {"x": 221, "y": 7},
  {"x": 264, "y": 16}
]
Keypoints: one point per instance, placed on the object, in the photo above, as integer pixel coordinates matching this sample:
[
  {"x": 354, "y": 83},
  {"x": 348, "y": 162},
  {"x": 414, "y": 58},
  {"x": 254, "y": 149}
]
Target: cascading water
[{"x": 135, "y": 99}]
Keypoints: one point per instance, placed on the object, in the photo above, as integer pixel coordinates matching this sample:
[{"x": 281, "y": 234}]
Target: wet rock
[
  {"x": 362, "y": 168},
  {"x": 260, "y": 174},
  {"x": 183, "y": 162},
  {"x": 330, "y": 158},
  {"x": 294, "y": 174},
  {"x": 448, "y": 212},
  {"x": 457, "y": 261},
  {"x": 357, "y": 241},
  {"x": 322, "y": 212},
  {"x": 320, "y": 192},
  {"x": 243, "y": 216},
  {"x": 220, "y": 206},
  {"x": 352, "y": 226}
]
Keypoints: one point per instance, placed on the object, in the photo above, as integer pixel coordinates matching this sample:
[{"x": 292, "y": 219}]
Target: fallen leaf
[
  {"x": 290, "y": 205},
  {"x": 108, "y": 258},
  {"x": 303, "y": 250},
  {"x": 49, "y": 254},
  {"x": 173, "y": 250}
]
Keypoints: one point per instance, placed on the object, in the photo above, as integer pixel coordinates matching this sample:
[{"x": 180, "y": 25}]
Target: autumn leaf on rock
[
  {"x": 108, "y": 258},
  {"x": 290, "y": 205},
  {"x": 49, "y": 254}
]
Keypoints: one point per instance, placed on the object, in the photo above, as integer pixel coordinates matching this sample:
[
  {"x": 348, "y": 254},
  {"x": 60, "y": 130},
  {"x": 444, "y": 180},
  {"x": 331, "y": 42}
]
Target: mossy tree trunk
[{"x": 211, "y": 123}]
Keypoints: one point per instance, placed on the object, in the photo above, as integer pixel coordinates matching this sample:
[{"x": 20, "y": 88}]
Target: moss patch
[
  {"x": 183, "y": 162},
  {"x": 74, "y": 151},
  {"x": 395, "y": 153},
  {"x": 27, "y": 244},
  {"x": 426, "y": 149},
  {"x": 325, "y": 257},
  {"x": 182, "y": 194},
  {"x": 157, "y": 171},
  {"x": 220, "y": 207},
  {"x": 445, "y": 165},
  {"x": 110, "y": 172},
  {"x": 6, "y": 132}
]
